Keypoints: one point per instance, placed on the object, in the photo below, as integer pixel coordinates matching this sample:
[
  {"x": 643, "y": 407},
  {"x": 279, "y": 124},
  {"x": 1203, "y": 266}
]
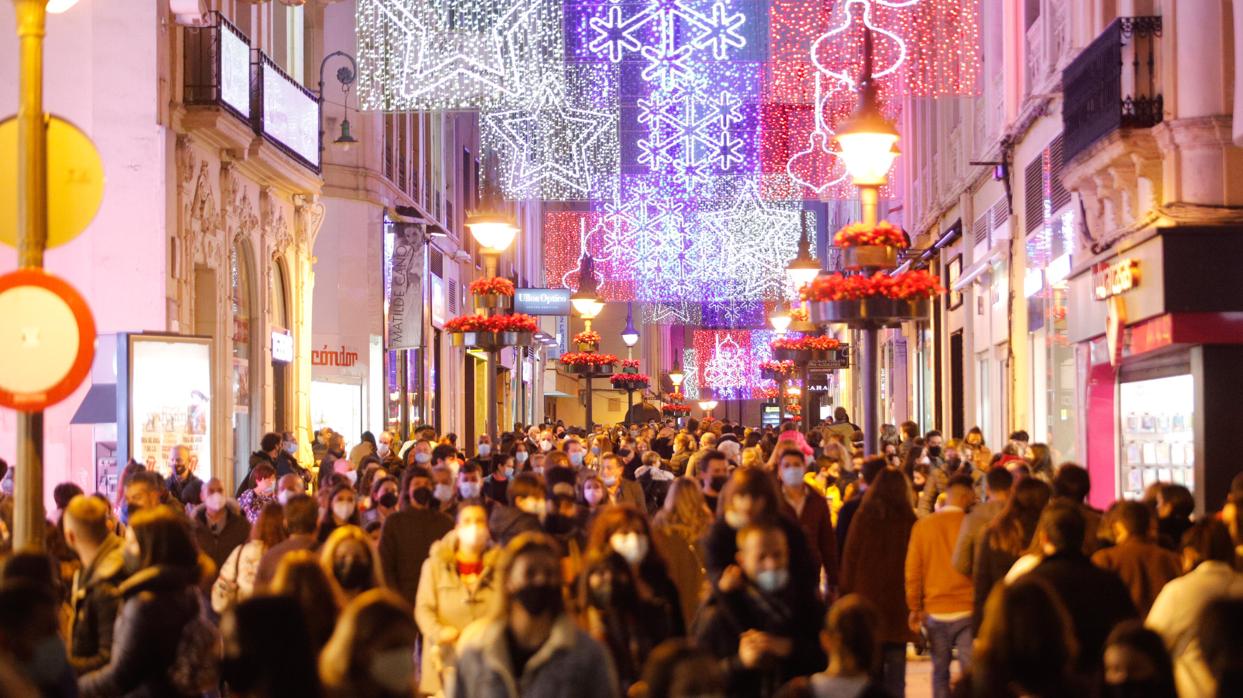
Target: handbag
[{"x": 224, "y": 592}]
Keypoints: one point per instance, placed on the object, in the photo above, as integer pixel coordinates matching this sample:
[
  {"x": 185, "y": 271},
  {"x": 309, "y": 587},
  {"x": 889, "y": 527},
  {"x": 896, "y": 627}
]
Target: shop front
[{"x": 1159, "y": 353}]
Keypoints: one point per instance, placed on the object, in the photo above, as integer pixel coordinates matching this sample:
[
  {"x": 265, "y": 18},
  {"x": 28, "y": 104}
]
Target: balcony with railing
[
  {"x": 1113, "y": 84},
  {"x": 238, "y": 99}
]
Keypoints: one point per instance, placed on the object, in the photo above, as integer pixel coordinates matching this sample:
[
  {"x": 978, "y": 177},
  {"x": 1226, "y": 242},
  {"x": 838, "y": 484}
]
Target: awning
[
  {"x": 99, "y": 406},
  {"x": 977, "y": 268}
]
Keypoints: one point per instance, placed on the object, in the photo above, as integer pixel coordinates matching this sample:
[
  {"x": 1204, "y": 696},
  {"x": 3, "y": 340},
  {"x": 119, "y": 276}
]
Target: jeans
[
  {"x": 893, "y": 667},
  {"x": 943, "y": 637}
]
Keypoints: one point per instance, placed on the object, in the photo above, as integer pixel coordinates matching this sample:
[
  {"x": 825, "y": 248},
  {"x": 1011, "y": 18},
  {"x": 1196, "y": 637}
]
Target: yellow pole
[{"x": 31, "y": 241}]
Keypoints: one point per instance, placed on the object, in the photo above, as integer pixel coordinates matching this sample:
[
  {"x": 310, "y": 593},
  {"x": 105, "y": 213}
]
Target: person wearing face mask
[
  {"x": 384, "y": 499},
  {"x": 629, "y": 602},
  {"x": 484, "y": 454},
  {"x": 386, "y": 450},
  {"x": 218, "y": 524},
  {"x": 527, "y": 508},
  {"x": 408, "y": 534},
  {"x": 269, "y": 449},
  {"x": 163, "y": 644},
  {"x": 262, "y": 494},
  {"x": 529, "y": 643},
  {"x": 334, "y": 452},
  {"x": 236, "y": 579},
  {"x": 469, "y": 485},
  {"x": 287, "y": 458},
  {"x": 594, "y": 496},
  {"x": 456, "y": 589},
  {"x": 713, "y": 472},
  {"x": 496, "y": 484},
  {"x": 340, "y": 508},
  {"x": 444, "y": 489},
  {"x": 371, "y": 651},
  {"x": 577, "y": 455},
  {"x": 349, "y": 557},
  {"x": 419, "y": 454},
  {"x": 759, "y": 622},
  {"x": 182, "y": 484},
  {"x": 803, "y": 504},
  {"x": 289, "y": 486},
  {"x": 620, "y": 490},
  {"x": 938, "y": 477}
]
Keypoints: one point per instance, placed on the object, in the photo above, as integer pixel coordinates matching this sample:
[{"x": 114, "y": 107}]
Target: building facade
[{"x": 1070, "y": 209}]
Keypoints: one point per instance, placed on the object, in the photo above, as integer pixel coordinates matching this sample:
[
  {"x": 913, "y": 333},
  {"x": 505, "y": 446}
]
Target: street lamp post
[
  {"x": 868, "y": 148},
  {"x": 345, "y": 76},
  {"x": 631, "y": 337},
  {"x": 494, "y": 231},
  {"x": 586, "y": 301}
]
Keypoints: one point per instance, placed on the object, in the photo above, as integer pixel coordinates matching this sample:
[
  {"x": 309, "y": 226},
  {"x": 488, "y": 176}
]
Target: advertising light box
[{"x": 165, "y": 398}]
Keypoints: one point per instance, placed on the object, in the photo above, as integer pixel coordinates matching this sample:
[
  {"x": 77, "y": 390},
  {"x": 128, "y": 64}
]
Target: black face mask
[
  {"x": 351, "y": 575},
  {"x": 388, "y": 500},
  {"x": 421, "y": 496},
  {"x": 1136, "y": 689},
  {"x": 558, "y": 525},
  {"x": 934, "y": 451},
  {"x": 539, "y": 599},
  {"x": 718, "y": 482}
]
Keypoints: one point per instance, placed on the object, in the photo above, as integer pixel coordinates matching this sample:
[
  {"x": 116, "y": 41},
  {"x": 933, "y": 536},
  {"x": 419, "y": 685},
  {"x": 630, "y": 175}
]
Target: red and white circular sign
[{"x": 47, "y": 340}]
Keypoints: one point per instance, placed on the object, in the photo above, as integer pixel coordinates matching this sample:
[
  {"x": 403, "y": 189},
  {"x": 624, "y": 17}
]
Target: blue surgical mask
[
  {"x": 421, "y": 457},
  {"x": 576, "y": 458},
  {"x": 521, "y": 456},
  {"x": 485, "y": 449},
  {"x": 595, "y": 450}
]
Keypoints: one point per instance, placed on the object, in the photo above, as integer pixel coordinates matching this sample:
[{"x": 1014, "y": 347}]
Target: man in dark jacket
[
  {"x": 407, "y": 535},
  {"x": 867, "y": 473},
  {"x": 269, "y": 448},
  {"x": 1073, "y": 484},
  {"x": 1095, "y": 599},
  {"x": 763, "y": 629},
  {"x": 301, "y": 513},
  {"x": 527, "y": 498},
  {"x": 95, "y": 599},
  {"x": 286, "y": 458},
  {"x": 219, "y": 525},
  {"x": 182, "y": 484},
  {"x": 1142, "y": 565},
  {"x": 805, "y": 505}
]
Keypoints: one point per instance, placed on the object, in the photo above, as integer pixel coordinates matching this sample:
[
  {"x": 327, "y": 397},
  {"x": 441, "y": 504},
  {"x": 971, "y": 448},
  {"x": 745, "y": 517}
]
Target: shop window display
[{"x": 1157, "y": 433}]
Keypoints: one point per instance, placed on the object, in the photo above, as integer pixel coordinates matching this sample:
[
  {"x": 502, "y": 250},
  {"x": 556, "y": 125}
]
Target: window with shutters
[
  {"x": 403, "y": 152},
  {"x": 390, "y": 135},
  {"x": 452, "y": 296},
  {"x": 1001, "y": 212},
  {"x": 1033, "y": 194},
  {"x": 980, "y": 229},
  {"x": 1058, "y": 196}
]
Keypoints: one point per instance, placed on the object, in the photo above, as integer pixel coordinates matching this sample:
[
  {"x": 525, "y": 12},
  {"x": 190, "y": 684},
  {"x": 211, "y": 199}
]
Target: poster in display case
[
  {"x": 164, "y": 399},
  {"x": 1157, "y": 436}
]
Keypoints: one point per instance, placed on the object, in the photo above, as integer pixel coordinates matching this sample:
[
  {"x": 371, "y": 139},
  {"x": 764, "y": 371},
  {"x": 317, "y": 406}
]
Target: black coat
[
  {"x": 790, "y": 614},
  {"x": 215, "y": 545},
  {"x": 1096, "y": 600},
  {"x": 95, "y": 602},
  {"x": 248, "y": 482},
  {"x": 188, "y": 491},
  {"x": 405, "y": 540},
  {"x": 506, "y": 522},
  {"x": 721, "y": 550},
  {"x": 159, "y": 604}
]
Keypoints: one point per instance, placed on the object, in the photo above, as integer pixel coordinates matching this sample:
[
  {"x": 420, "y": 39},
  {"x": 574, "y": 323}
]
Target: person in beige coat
[{"x": 456, "y": 588}]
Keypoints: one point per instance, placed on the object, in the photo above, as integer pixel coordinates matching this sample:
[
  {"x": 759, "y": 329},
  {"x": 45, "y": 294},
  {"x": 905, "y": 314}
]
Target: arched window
[{"x": 244, "y": 344}]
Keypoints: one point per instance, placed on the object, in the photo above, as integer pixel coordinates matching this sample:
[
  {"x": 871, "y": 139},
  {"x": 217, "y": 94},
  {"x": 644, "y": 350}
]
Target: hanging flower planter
[
  {"x": 490, "y": 341},
  {"x": 630, "y": 366},
  {"x": 492, "y": 301},
  {"x": 630, "y": 381},
  {"x": 870, "y": 257},
  {"x": 588, "y": 364},
  {"x": 875, "y": 310}
]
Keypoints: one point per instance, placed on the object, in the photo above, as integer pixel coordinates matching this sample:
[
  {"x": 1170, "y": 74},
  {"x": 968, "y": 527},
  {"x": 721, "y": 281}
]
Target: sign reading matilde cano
[{"x": 542, "y": 301}]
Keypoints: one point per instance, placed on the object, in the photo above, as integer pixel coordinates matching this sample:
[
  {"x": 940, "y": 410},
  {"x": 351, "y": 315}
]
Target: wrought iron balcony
[
  {"x": 1113, "y": 84},
  {"x": 217, "y": 67},
  {"x": 286, "y": 113}
]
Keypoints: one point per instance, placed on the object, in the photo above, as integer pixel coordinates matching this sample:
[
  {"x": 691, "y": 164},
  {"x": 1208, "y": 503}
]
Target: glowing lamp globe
[
  {"x": 587, "y": 307},
  {"x": 493, "y": 231},
  {"x": 868, "y": 147},
  {"x": 630, "y": 338},
  {"x": 707, "y": 405},
  {"x": 55, "y": 7},
  {"x": 676, "y": 377},
  {"x": 780, "y": 320},
  {"x": 802, "y": 272}
]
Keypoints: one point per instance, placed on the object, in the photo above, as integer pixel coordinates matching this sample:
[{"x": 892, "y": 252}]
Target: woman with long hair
[
  {"x": 1041, "y": 462},
  {"x": 340, "y": 506},
  {"x": 302, "y": 578},
  {"x": 1137, "y": 663},
  {"x": 874, "y": 566},
  {"x": 1006, "y": 539},
  {"x": 267, "y": 650},
  {"x": 677, "y": 530},
  {"x": 236, "y": 580},
  {"x": 529, "y": 620},
  {"x": 624, "y": 593},
  {"x": 351, "y": 559},
  {"x": 1026, "y": 645},
  {"x": 371, "y": 651},
  {"x": 162, "y": 645},
  {"x": 456, "y": 588}
]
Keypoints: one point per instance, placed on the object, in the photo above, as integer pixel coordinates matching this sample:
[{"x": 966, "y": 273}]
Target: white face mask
[
  {"x": 472, "y": 537},
  {"x": 468, "y": 490},
  {"x": 283, "y": 497},
  {"x": 631, "y": 546},
  {"x": 343, "y": 510},
  {"x": 383, "y": 450},
  {"x": 484, "y": 449},
  {"x": 593, "y": 495},
  {"x": 791, "y": 476},
  {"x": 421, "y": 458},
  {"x": 545, "y": 445},
  {"x": 771, "y": 581},
  {"x": 394, "y": 669},
  {"x": 215, "y": 501},
  {"x": 443, "y": 492},
  {"x": 609, "y": 480}
]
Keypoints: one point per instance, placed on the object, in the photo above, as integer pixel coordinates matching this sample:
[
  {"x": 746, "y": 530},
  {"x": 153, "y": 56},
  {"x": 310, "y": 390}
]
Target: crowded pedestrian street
[{"x": 621, "y": 349}]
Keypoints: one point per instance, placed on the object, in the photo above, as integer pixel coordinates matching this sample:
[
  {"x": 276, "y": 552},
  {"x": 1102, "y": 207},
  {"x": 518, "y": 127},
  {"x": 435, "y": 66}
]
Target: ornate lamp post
[
  {"x": 587, "y": 303},
  {"x": 708, "y": 402},
  {"x": 630, "y": 336},
  {"x": 494, "y": 230}
]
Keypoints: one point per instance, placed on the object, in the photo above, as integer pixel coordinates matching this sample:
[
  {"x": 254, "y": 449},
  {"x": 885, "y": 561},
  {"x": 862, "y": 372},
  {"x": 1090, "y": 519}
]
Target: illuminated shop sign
[
  {"x": 1111, "y": 279},
  {"x": 334, "y": 357},
  {"x": 282, "y": 347}
]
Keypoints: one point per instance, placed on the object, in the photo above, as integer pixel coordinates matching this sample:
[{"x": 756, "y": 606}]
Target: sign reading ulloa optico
[{"x": 542, "y": 301}]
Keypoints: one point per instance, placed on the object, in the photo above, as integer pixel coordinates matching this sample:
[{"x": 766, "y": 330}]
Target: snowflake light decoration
[
  {"x": 455, "y": 54},
  {"x": 745, "y": 248},
  {"x": 690, "y": 369},
  {"x": 676, "y": 313},
  {"x": 730, "y": 315},
  {"x": 727, "y": 364},
  {"x": 559, "y": 146}
]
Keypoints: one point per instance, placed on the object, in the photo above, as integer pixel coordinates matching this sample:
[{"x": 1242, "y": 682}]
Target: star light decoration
[
  {"x": 746, "y": 247},
  {"x": 455, "y": 54},
  {"x": 690, "y": 369},
  {"x": 559, "y": 145}
]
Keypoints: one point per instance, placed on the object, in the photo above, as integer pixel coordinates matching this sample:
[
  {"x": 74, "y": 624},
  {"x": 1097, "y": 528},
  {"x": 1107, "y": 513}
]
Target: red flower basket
[
  {"x": 494, "y": 285},
  {"x": 911, "y": 285},
  {"x": 493, "y": 323},
  {"x": 630, "y": 381},
  {"x": 676, "y": 410},
  {"x": 883, "y": 234}
]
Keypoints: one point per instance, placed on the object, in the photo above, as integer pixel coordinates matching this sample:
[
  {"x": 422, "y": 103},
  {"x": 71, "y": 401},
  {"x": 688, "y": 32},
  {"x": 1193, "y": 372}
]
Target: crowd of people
[{"x": 662, "y": 559}]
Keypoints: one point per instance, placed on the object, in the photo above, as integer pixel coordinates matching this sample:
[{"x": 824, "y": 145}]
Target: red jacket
[{"x": 817, "y": 525}]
